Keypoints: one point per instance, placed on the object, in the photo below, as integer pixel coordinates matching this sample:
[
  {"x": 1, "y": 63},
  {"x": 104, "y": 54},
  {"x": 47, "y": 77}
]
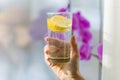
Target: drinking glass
[{"x": 59, "y": 29}]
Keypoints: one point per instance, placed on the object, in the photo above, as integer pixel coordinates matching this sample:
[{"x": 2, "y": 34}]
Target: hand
[{"x": 65, "y": 71}]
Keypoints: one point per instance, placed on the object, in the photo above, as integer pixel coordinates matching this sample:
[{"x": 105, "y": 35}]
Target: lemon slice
[{"x": 59, "y": 23}]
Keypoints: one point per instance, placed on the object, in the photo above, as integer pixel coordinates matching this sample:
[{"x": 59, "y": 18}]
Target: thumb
[{"x": 74, "y": 49}]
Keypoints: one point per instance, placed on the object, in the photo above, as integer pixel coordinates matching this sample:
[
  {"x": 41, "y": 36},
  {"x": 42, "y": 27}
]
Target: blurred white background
[{"x": 111, "y": 57}]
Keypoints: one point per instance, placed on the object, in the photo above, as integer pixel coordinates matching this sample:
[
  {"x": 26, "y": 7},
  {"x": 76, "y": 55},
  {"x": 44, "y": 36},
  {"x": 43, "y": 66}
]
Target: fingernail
[
  {"x": 48, "y": 59},
  {"x": 47, "y": 52},
  {"x": 46, "y": 39}
]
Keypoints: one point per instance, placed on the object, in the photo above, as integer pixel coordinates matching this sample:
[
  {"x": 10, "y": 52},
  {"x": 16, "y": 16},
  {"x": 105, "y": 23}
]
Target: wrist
[
  {"x": 77, "y": 76},
  {"x": 73, "y": 76}
]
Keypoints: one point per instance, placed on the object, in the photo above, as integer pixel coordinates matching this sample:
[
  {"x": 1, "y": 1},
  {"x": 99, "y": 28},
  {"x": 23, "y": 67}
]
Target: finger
[
  {"x": 55, "y": 42},
  {"x": 46, "y": 49},
  {"x": 74, "y": 46},
  {"x": 46, "y": 39},
  {"x": 74, "y": 49},
  {"x": 50, "y": 49},
  {"x": 48, "y": 61}
]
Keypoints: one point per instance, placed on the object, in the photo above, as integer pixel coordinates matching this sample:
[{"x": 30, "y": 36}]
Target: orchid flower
[
  {"x": 100, "y": 51},
  {"x": 85, "y": 50}
]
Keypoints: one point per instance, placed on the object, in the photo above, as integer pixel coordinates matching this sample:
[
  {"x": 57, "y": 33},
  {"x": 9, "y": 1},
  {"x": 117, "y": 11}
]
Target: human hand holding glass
[{"x": 68, "y": 70}]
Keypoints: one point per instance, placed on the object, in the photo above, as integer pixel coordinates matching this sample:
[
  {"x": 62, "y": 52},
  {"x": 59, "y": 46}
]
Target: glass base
[{"x": 60, "y": 60}]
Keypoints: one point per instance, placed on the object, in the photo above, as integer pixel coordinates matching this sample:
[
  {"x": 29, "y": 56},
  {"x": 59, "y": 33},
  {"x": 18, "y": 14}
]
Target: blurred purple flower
[
  {"x": 62, "y": 10},
  {"x": 84, "y": 22},
  {"x": 85, "y": 51},
  {"x": 81, "y": 21},
  {"x": 100, "y": 51},
  {"x": 75, "y": 22},
  {"x": 87, "y": 36}
]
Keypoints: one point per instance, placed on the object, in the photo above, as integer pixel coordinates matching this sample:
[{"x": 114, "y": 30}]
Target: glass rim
[{"x": 52, "y": 13}]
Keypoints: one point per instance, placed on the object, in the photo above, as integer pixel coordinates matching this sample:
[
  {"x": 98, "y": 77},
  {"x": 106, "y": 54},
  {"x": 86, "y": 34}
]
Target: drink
[{"x": 59, "y": 27}]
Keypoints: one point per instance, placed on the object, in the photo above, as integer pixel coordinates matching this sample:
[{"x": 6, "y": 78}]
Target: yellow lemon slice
[{"x": 59, "y": 23}]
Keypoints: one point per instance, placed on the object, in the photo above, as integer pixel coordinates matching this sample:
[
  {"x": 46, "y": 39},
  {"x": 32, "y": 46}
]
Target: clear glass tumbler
[{"x": 60, "y": 29}]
